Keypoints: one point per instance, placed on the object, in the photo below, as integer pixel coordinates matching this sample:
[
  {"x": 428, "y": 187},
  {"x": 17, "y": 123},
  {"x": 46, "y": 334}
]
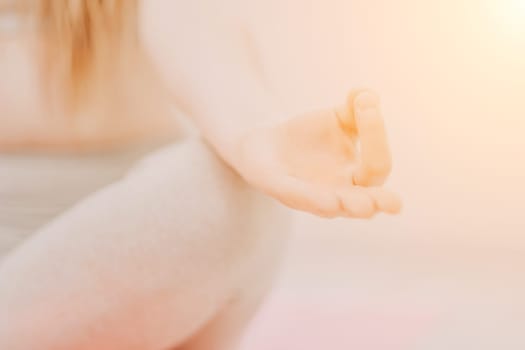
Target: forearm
[{"x": 210, "y": 71}]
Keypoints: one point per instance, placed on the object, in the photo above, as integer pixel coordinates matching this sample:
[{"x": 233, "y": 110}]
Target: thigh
[
  {"x": 143, "y": 264},
  {"x": 225, "y": 330}
]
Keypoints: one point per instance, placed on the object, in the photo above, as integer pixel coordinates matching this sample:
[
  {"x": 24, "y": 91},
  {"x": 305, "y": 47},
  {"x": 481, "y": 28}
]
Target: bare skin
[
  {"x": 330, "y": 163},
  {"x": 261, "y": 144}
]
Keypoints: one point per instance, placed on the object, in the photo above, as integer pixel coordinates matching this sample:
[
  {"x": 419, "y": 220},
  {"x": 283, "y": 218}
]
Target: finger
[
  {"x": 345, "y": 113},
  {"x": 375, "y": 163},
  {"x": 304, "y": 196},
  {"x": 385, "y": 200},
  {"x": 356, "y": 203}
]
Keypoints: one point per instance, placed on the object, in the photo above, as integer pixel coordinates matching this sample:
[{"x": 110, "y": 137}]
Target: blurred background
[{"x": 449, "y": 272}]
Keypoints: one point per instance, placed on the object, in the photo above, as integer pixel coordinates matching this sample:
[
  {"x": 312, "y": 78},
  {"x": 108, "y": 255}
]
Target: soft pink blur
[{"x": 312, "y": 323}]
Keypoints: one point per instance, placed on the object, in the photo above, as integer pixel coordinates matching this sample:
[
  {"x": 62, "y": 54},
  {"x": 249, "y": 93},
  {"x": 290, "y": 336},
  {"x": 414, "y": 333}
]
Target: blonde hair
[{"x": 84, "y": 40}]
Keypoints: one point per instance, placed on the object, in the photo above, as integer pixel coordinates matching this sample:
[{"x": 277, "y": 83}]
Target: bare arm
[
  {"x": 309, "y": 162},
  {"x": 208, "y": 69}
]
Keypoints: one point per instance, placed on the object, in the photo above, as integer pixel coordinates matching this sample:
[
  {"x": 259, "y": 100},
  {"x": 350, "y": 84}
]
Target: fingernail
[{"x": 367, "y": 100}]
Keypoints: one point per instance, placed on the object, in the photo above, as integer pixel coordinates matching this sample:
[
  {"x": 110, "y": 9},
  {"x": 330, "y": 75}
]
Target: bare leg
[
  {"x": 144, "y": 264},
  {"x": 225, "y": 330}
]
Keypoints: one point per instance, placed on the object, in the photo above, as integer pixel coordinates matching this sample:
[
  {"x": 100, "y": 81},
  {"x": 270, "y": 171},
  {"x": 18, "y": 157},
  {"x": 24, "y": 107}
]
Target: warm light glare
[
  {"x": 507, "y": 18},
  {"x": 512, "y": 15},
  {"x": 521, "y": 5},
  {"x": 520, "y": 9}
]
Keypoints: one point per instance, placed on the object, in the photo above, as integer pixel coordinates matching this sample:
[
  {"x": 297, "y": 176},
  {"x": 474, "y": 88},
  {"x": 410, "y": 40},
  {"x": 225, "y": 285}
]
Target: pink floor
[{"x": 288, "y": 322}]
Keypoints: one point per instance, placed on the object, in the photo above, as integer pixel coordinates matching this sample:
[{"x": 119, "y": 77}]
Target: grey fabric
[{"x": 35, "y": 188}]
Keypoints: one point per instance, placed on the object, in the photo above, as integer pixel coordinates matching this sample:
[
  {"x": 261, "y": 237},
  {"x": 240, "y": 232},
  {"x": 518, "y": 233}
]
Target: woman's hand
[{"x": 330, "y": 163}]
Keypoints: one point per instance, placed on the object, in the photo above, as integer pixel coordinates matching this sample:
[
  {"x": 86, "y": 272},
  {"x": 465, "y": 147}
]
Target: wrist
[{"x": 230, "y": 141}]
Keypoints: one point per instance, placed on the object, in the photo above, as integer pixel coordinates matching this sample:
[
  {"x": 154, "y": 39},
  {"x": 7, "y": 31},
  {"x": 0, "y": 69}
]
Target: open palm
[{"x": 329, "y": 162}]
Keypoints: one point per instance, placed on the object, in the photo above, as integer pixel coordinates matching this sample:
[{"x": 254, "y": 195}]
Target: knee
[{"x": 213, "y": 204}]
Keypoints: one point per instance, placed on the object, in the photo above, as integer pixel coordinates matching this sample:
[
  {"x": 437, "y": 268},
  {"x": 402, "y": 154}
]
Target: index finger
[
  {"x": 345, "y": 113},
  {"x": 375, "y": 163}
]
